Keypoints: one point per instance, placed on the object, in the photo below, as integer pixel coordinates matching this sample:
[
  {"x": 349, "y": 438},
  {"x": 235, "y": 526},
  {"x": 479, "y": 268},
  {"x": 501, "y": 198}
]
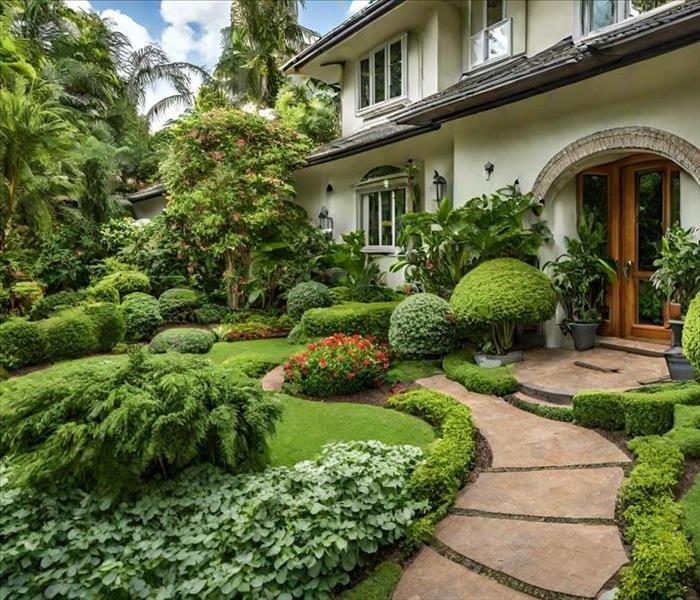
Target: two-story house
[{"x": 592, "y": 104}]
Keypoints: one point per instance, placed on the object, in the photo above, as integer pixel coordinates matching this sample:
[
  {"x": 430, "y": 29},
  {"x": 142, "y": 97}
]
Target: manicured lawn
[
  {"x": 274, "y": 349},
  {"x": 691, "y": 506},
  {"x": 379, "y": 585},
  {"x": 408, "y": 371},
  {"x": 307, "y": 425}
]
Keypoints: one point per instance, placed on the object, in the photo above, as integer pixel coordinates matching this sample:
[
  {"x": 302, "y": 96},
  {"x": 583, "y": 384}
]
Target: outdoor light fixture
[
  {"x": 516, "y": 186},
  {"x": 488, "y": 170},
  {"x": 329, "y": 188},
  {"x": 440, "y": 184},
  {"x": 325, "y": 223}
]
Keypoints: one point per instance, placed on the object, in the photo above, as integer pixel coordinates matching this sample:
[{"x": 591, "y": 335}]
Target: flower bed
[{"x": 338, "y": 364}]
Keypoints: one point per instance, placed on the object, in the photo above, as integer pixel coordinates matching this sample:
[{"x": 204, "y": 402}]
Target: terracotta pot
[{"x": 674, "y": 310}]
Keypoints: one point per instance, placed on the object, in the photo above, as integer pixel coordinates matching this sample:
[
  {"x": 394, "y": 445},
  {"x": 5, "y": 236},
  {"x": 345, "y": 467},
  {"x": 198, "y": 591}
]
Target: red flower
[{"x": 240, "y": 142}]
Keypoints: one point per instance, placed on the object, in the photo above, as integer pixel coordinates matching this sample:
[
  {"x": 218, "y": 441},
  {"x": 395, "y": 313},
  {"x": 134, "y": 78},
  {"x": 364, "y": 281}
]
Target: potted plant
[
  {"x": 678, "y": 276},
  {"x": 581, "y": 276}
]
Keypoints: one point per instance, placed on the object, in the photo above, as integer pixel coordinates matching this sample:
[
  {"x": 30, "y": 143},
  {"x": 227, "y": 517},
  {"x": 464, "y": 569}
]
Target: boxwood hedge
[
  {"x": 460, "y": 367},
  {"x": 177, "y": 305},
  {"x": 126, "y": 282},
  {"x": 142, "y": 315},
  {"x": 350, "y": 318},
  {"x": 22, "y": 343}
]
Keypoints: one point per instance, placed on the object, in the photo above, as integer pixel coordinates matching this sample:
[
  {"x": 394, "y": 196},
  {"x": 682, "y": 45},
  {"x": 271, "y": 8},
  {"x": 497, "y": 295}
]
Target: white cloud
[
  {"x": 83, "y": 5},
  {"x": 138, "y": 35},
  {"x": 357, "y": 6}
]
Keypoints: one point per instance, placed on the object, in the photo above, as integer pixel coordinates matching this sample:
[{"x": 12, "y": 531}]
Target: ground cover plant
[
  {"x": 350, "y": 318},
  {"x": 338, "y": 364},
  {"x": 183, "y": 340},
  {"x": 286, "y": 532},
  {"x": 460, "y": 367},
  {"x": 422, "y": 325}
]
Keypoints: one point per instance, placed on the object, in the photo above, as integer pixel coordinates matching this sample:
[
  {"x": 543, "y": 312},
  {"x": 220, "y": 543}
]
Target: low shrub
[
  {"x": 378, "y": 585},
  {"x": 691, "y": 336},
  {"x": 177, "y": 305},
  {"x": 555, "y": 413},
  {"x": 210, "y": 313},
  {"x": 142, "y": 316},
  {"x": 286, "y": 532},
  {"x": 340, "y": 294},
  {"x": 306, "y": 295},
  {"x": 108, "y": 322},
  {"x": 686, "y": 430},
  {"x": 127, "y": 282},
  {"x": 460, "y": 367},
  {"x": 22, "y": 343},
  {"x": 422, "y": 325},
  {"x": 184, "y": 340},
  {"x": 103, "y": 292},
  {"x": 112, "y": 426},
  {"x": 438, "y": 479},
  {"x": 661, "y": 554},
  {"x": 70, "y": 334},
  {"x": 251, "y": 364},
  {"x": 350, "y": 318},
  {"x": 338, "y": 364},
  {"x": 251, "y": 331},
  {"x": 645, "y": 411},
  {"x": 56, "y": 302},
  {"x": 24, "y": 296},
  {"x": 297, "y": 335}
]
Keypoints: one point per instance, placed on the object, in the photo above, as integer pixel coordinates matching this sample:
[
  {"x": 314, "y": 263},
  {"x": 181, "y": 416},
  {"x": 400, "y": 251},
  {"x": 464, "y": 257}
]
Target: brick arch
[{"x": 566, "y": 163}]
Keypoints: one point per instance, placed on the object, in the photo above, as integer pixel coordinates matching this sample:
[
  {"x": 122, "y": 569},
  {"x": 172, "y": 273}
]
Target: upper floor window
[
  {"x": 492, "y": 37},
  {"x": 597, "y": 14},
  {"x": 382, "y": 74}
]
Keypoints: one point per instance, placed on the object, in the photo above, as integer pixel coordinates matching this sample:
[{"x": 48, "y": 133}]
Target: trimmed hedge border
[
  {"x": 661, "y": 554},
  {"x": 646, "y": 411},
  {"x": 686, "y": 430},
  {"x": 460, "y": 367},
  {"x": 438, "y": 479},
  {"x": 555, "y": 413},
  {"x": 349, "y": 318}
]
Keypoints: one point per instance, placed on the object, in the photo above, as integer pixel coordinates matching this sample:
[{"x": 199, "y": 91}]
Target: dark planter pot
[
  {"x": 676, "y": 326},
  {"x": 583, "y": 335},
  {"x": 679, "y": 367}
]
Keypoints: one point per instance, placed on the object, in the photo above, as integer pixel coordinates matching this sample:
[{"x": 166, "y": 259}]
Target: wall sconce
[
  {"x": 488, "y": 170},
  {"x": 440, "y": 184},
  {"x": 325, "y": 223},
  {"x": 516, "y": 186},
  {"x": 329, "y": 188}
]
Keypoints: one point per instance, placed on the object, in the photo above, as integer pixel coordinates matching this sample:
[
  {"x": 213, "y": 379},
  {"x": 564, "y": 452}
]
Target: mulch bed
[{"x": 692, "y": 468}]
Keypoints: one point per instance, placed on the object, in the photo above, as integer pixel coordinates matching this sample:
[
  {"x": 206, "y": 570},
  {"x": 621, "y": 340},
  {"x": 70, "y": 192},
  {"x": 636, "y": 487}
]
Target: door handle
[{"x": 627, "y": 269}]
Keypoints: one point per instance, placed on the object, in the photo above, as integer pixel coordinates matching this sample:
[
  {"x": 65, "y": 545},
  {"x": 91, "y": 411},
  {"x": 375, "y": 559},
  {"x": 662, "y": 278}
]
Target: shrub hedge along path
[{"x": 539, "y": 522}]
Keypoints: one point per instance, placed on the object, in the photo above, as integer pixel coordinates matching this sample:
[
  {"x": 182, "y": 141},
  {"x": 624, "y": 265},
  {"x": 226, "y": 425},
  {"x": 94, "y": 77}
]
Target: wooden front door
[{"x": 643, "y": 199}]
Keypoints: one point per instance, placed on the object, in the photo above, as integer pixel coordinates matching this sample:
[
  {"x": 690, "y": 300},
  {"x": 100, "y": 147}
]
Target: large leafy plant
[
  {"x": 439, "y": 248},
  {"x": 362, "y": 274},
  {"x": 678, "y": 267}
]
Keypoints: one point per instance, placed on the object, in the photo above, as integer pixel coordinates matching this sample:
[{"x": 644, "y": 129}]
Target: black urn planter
[
  {"x": 679, "y": 367},
  {"x": 583, "y": 334}
]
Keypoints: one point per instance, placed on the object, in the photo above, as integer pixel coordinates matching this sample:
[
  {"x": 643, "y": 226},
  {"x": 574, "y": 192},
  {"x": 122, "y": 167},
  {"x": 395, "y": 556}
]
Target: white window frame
[
  {"x": 623, "y": 12},
  {"x": 480, "y": 61},
  {"x": 387, "y": 102},
  {"x": 389, "y": 183}
]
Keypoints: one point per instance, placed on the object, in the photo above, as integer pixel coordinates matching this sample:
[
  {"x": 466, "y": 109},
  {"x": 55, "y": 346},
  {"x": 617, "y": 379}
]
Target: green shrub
[
  {"x": 108, "y": 322},
  {"x": 500, "y": 293},
  {"x": 687, "y": 440},
  {"x": 142, "y": 316},
  {"x": 306, "y": 295},
  {"x": 555, "y": 413},
  {"x": 691, "y": 336},
  {"x": 296, "y": 335},
  {"x": 647, "y": 411},
  {"x": 24, "y": 295},
  {"x": 378, "y": 585},
  {"x": 686, "y": 416},
  {"x": 349, "y": 318},
  {"x": 22, "y": 343},
  {"x": 250, "y": 330},
  {"x": 438, "y": 478},
  {"x": 286, "y": 532},
  {"x": 70, "y": 334},
  {"x": 103, "y": 292},
  {"x": 127, "y": 282},
  {"x": 112, "y": 426},
  {"x": 340, "y": 294},
  {"x": 177, "y": 305},
  {"x": 210, "y": 313},
  {"x": 460, "y": 367},
  {"x": 184, "y": 340},
  {"x": 251, "y": 364},
  {"x": 55, "y": 302},
  {"x": 661, "y": 554},
  {"x": 422, "y": 325}
]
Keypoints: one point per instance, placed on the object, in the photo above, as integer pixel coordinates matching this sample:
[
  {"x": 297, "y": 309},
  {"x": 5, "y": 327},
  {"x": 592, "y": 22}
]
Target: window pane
[
  {"x": 494, "y": 12},
  {"x": 379, "y": 71},
  {"x": 478, "y": 48},
  {"x": 595, "y": 198},
  {"x": 399, "y": 211},
  {"x": 364, "y": 83},
  {"x": 651, "y": 304},
  {"x": 640, "y": 6},
  {"x": 675, "y": 198},
  {"x": 600, "y": 13},
  {"x": 395, "y": 70},
  {"x": 649, "y": 188},
  {"x": 386, "y": 219},
  {"x": 498, "y": 41},
  {"x": 373, "y": 220}
]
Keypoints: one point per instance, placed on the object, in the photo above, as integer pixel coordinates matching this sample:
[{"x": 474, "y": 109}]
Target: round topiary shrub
[
  {"x": 22, "y": 343},
  {"x": 177, "y": 305},
  {"x": 109, "y": 323},
  {"x": 306, "y": 295},
  {"x": 142, "y": 316},
  {"x": 691, "y": 336},
  {"x": 56, "y": 302},
  {"x": 500, "y": 293},
  {"x": 183, "y": 340},
  {"x": 103, "y": 292},
  {"x": 422, "y": 325},
  {"x": 127, "y": 282},
  {"x": 296, "y": 335},
  {"x": 70, "y": 334}
]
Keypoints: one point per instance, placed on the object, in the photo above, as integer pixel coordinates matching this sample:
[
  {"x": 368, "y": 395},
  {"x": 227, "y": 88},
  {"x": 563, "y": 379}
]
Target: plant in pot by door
[
  {"x": 678, "y": 276},
  {"x": 497, "y": 295},
  {"x": 581, "y": 276}
]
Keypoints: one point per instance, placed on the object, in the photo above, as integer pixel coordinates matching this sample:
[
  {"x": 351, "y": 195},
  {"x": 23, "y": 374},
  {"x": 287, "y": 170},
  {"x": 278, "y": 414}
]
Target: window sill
[
  {"x": 377, "y": 110},
  {"x": 594, "y": 33},
  {"x": 490, "y": 63},
  {"x": 382, "y": 250}
]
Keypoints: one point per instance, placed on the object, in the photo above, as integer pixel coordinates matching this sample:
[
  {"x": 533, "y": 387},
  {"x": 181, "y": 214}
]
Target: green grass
[
  {"x": 273, "y": 349},
  {"x": 691, "y": 521},
  {"x": 379, "y": 585},
  {"x": 307, "y": 425},
  {"x": 408, "y": 371}
]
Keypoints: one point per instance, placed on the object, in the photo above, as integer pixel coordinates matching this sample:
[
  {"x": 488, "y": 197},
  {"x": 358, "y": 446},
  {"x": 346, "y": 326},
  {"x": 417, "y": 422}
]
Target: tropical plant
[
  {"x": 362, "y": 274},
  {"x": 678, "y": 268},
  {"x": 439, "y": 248},
  {"x": 311, "y": 108},
  {"x": 582, "y": 274}
]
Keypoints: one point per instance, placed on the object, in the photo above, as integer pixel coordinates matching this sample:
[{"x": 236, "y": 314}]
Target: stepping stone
[
  {"x": 519, "y": 439},
  {"x": 572, "y": 493},
  {"x": 431, "y": 577},
  {"x": 273, "y": 381},
  {"x": 561, "y": 557}
]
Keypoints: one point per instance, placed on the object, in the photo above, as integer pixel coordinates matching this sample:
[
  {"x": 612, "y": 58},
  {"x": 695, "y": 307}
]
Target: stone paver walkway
[
  {"x": 273, "y": 380},
  {"x": 538, "y": 523}
]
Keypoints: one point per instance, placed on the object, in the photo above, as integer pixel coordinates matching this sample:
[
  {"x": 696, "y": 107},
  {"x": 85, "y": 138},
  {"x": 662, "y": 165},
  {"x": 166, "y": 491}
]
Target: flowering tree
[{"x": 229, "y": 180}]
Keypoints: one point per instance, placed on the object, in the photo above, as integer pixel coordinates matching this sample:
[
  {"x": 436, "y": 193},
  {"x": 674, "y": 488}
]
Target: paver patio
[{"x": 539, "y": 521}]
